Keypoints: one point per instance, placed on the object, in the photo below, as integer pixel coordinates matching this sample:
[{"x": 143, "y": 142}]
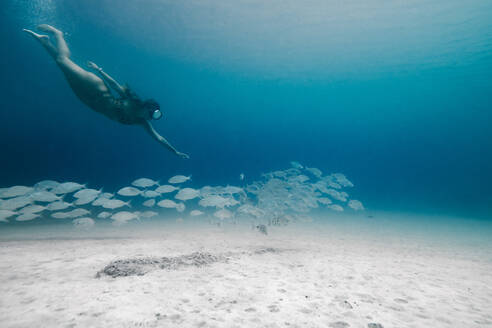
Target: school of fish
[{"x": 278, "y": 198}]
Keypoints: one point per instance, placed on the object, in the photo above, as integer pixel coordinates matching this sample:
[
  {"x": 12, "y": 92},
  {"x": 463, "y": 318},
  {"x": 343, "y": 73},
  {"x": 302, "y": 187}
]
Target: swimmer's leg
[
  {"x": 61, "y": 44},
  {"x": 85, "y": 84},
  {"x": 45, "y": 42},
  {"x": 61, "y": 54}
]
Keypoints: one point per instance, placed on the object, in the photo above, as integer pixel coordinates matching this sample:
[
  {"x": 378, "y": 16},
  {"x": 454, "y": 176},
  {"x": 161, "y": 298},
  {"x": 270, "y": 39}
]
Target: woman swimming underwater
[{"x": 95, "y": 92}]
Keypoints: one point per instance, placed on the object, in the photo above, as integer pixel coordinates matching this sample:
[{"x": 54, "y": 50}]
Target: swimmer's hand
[
  {"x": 182, "y": 155},
  {"x": 93, "y": 66}
]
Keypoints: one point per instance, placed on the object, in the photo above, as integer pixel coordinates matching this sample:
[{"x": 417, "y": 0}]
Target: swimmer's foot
[
  {"x": 48, "y": 28},
  {"x": 37, "y": 36}
]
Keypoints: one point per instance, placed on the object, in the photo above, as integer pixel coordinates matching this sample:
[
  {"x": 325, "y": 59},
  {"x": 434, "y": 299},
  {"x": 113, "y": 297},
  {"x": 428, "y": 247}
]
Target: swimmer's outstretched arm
[
  {"x": 150, "y": 129},
  {"x": 108, "y": 79}
]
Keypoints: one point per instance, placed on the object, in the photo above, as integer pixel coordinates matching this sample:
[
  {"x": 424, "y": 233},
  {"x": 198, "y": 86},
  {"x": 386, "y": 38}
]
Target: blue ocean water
[{"x": 396, "y": 95}]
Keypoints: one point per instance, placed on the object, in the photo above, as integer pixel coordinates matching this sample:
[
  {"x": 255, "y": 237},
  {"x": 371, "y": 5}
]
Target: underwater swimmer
[{"x": 96, "y": 92}]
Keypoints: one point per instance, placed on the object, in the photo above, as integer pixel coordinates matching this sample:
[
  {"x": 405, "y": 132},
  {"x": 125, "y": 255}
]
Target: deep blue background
[{"x": 396, "y": 95}]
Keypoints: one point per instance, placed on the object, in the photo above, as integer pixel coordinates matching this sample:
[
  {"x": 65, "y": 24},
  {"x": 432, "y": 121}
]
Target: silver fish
[
  {"x": 44, "y": 196},
  {"x": 196, "y": 213},
  {"x": 27, "y": 217},
  {"x": 67, "y": 187},
  {"x": 123, "y": 217},
  {"x": 115, "y": 203},
  {"x": 167, "y": 203},
  {"x": 166, "y": 189},
  {"x": 58, "y": 206},
  {"x": 129, "y": 191},
  {"x": 187, "y": 194},
  {"x": 150, "y": 194},
  {"x": 15, "y": 203},
  {"x": 148, "y": 214},
  {"x": 32, "y": 209},
  {"x": 179, "y": 179},
  {"x": 46, "y": 185},
  {"x": 144, "y": 183},
  {"x": 149, "y": 202},
  {"x": 16, "y": 191},
  {"x": 87, "y": 193},
  {"x": 5, "y": 214},
  {"x": 85, "y": 200},
  {"x": 104, "y": 215}
]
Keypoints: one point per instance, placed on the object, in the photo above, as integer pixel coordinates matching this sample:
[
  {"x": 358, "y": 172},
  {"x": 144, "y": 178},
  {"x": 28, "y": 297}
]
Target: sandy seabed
[{"x": 298, "y": 276}]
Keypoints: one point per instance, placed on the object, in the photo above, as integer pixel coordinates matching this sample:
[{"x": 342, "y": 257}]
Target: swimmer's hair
[
  {"x": 130, "y": 94},
  {"x": 151, "y": 104},
  {"x": 153, "y": 108}
]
